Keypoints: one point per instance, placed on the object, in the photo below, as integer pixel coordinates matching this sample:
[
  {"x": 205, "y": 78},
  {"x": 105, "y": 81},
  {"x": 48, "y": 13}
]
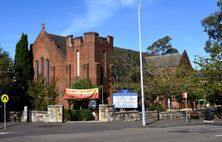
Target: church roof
[
  {"x": 60, "y": 42},
  {"x": 165, "y": 61}
]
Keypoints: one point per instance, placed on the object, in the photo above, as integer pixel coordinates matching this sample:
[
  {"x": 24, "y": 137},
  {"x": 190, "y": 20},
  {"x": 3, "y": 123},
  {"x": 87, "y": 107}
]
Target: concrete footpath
[
  {"x": 95, "y": 125},
  {"x": 172, "y": 123}
]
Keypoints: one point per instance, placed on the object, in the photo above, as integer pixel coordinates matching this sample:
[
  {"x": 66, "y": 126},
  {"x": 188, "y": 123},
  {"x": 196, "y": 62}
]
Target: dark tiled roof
[
  {"x": 60, "y": 41},
  {"x": 164, "y": 61}
]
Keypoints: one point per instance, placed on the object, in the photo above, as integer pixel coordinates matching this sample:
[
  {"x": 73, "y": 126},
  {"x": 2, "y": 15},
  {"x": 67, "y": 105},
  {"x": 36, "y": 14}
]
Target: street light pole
[{"x": 141, "y": 66}]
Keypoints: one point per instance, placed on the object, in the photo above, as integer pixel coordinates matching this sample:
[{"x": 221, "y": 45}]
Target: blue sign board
[{"x": 125, "y": 99}]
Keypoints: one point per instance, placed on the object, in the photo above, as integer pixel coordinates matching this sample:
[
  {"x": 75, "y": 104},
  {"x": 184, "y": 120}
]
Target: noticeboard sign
[
  {"x": 125, "y": 99},
  {"x": 92, "y": 104}
]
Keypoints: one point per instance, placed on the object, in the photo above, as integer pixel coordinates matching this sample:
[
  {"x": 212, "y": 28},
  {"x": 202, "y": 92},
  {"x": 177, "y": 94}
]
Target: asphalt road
[{"x": 109, "y": 132}]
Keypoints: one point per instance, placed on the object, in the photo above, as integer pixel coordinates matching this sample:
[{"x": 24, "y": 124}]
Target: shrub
[
  {"x": 67, "y": 114},
  {"x": 86, "y": 115},
  {"x": 157, "y": 107},
  {"x": 75, "y": 115},
  {"x": 78, "y": 115}
]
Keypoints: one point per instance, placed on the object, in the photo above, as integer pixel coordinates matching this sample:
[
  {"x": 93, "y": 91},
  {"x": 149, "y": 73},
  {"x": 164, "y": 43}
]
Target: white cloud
[
  {"x": 128, "y": 3},
  {"x": 96, "y": 13}
]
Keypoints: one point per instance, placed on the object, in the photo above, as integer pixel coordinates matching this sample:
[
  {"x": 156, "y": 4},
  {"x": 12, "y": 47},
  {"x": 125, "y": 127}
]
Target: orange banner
[{"x": 81, "y": 93}]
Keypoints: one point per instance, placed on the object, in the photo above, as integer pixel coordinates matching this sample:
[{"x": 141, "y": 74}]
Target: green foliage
[
  {"x": 67, "y": 114},
  {"x": 82, "y": 84},
  {"x": 86, "y": 115},
  {"x": 42, "y": 93},
  {"x": 7, "y": 80},
  {"x": 72, "y": 115},
  {"x": 6, "y": 70},
  {"x": 78, "y": 115},
  {"x": 156, "y": 106},
  {"x": 171, "y": 82},
  {"x": 125, "y": 69},
  {"x": 162, "y": 47},
  {"x": 213, "y": 27},
  {"x": 210, "y": 68},
  {"x": 23, "y": 62},
  {"x": 23, "y": 69}
]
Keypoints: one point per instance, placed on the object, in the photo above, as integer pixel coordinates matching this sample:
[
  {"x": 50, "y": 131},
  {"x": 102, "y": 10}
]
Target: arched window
[
  {"x": 47, "y": 69},
  {"x": 78, "y": 63},
  {"x": 42, "y": 67},
  {"x": 37, "y": 69}
]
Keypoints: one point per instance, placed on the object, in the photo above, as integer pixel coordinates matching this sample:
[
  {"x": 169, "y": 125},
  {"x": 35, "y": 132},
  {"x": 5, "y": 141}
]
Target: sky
[{"x": 179, "y": 19}]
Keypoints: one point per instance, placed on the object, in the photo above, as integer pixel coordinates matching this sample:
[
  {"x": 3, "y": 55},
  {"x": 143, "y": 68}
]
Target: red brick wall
[{"x": 92, "y": 62}]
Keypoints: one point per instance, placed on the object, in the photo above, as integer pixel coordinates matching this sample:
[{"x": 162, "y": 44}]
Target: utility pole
[{"x": 141, "y": 66}]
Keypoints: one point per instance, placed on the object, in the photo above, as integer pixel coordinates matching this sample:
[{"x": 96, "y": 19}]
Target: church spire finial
[{"x": 43, "y": 26}]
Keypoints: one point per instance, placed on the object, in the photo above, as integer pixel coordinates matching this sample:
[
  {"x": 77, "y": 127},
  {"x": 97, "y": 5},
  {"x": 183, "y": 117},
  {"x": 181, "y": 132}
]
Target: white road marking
[
  {"x": 218, "y": 135},
  {"x": 3, "y": 133}
]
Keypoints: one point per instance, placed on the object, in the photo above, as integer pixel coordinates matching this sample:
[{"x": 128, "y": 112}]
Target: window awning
[{"x": 92, "y": 93}]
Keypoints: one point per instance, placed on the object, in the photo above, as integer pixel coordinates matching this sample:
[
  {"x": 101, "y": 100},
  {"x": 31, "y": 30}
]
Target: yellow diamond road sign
[{"x": 4, "y": 98}]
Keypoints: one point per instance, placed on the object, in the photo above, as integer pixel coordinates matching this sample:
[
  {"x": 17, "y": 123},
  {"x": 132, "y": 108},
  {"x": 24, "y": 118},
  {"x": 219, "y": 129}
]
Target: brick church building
[{"x": 67, "y": 58}]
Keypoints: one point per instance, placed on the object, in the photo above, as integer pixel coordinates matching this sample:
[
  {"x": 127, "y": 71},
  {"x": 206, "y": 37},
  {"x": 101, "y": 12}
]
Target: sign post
[
  {"x": 185, "y": 96},
  {"x": 4, "y": 99}
]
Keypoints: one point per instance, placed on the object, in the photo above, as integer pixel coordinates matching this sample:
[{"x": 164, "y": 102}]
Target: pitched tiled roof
[
  {"x": 60, "y": 42},
  {"x": 165, "y": 60}
]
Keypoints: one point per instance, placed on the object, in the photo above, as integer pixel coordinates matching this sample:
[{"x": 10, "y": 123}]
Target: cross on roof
[{"x": 43, "y": 26}]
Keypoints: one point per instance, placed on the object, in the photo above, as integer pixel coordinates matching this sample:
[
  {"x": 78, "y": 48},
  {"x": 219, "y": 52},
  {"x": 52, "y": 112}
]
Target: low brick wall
[
  {"x": 15, "y": 116},
  {"x": 172, "y": 115},
  {"x": 150, "y": 115},
  {"x": 39, "y": 116},
  {"x": 107, "y": 113},
  {"x": 127, "y": 116},
  {"x": 54, "y": 113}
]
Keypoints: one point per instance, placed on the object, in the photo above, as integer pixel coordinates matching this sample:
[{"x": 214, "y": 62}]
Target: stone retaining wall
[
  {"x": 38, "y": 116},
  {"x": 107, "y": 113},
  {"x": 54, "y": 113},
  {"x": 15, "y": 116}
]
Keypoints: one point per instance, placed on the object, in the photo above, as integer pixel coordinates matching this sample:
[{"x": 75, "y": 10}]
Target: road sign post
[
  {"x": 4, "y": 116},
  {"x": 4, "y": 99}
]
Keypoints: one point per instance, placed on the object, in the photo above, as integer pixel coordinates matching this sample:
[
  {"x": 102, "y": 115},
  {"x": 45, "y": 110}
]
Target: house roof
[
  {"x": 60, "y": 42},
  {"x": 165, "y": 60}
]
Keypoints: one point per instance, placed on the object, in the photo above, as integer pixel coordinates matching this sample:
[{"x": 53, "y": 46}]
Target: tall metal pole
[
  {"x": 4, "y": 116},
  {"x": 141, "y": 66}
]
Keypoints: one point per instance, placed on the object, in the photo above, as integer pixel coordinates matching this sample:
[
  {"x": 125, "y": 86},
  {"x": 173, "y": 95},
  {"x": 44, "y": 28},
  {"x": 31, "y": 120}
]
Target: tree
[
  {"x": 81, "y": 84},
  {"x": 169, "y": 83},
  {"x": 7, "y": 79},
  {"x": 23, "y": 69},
  {"x": 211, "y": 71},
  {"x": 42, "y": 93},
  {"x": 125, "y": 69},
  {"x": 213, "y": 27},
  {"x": 162, "y": 47}
]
